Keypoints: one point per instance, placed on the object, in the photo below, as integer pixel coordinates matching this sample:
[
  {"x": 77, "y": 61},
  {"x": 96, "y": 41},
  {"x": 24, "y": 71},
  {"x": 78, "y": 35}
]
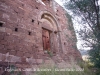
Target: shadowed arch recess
[{"x": 47, "y": 17}]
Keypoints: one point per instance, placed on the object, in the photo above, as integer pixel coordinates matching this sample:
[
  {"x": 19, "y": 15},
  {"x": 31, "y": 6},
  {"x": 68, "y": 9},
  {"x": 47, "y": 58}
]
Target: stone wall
[{"x": 21, "y": 24}]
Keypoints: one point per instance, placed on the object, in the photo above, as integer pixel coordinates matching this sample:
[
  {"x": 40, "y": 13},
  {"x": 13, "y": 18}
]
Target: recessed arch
[
  {"x": 47, "y": 16},
  {"x": 49, "y": 22}
]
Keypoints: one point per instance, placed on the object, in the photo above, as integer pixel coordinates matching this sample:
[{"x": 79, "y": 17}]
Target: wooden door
[{"x": 46, "y": 39}]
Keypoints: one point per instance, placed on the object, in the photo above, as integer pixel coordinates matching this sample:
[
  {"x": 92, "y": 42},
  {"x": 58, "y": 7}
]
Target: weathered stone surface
[
  {"x": 39, "y": 61},
  {"x": 21, "y": 32}
]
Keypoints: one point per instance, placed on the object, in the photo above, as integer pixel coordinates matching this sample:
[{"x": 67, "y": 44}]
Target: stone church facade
[{"x": 35, "y": 32}]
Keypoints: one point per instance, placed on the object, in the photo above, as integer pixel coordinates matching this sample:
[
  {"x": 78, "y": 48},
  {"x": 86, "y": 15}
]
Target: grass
[
  {"x": 52, "y": 72},
  {"x": 57, "y": 71}
]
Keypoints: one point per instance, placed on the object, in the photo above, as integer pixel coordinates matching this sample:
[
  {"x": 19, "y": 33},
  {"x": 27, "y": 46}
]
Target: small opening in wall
[
  {"x": 54, "y": 52},
  {"x": 22, "y": 4},
  {"x": 57, "y": 10},
  {"x": 55, "y": 32},
  {"x": 64, "y": 43},
  {"x": 32, "y": 20},
  {"x": 1, "y": 24},
  {"x": 42, "y": 16},
  {"x": 16, "y": 29},
  {"x": 36, "y": 7},
  {"x": 29, "y": 33}
]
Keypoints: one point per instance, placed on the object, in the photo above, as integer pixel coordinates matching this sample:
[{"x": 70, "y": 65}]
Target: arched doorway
[{"x": 50, "y": 32}]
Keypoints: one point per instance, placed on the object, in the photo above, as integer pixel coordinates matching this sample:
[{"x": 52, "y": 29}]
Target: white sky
[
  {"x": 61, "y": 1},
  {"x": 99, "y": 2}
]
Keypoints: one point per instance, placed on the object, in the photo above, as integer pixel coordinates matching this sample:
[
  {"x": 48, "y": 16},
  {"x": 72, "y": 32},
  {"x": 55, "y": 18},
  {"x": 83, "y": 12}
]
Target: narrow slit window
[
  {"x": 16, "y": 29},
  {"x": 1, "y": 24},
  {"x": 32, "y": 20},
  {"x": 29, "y": 33}
]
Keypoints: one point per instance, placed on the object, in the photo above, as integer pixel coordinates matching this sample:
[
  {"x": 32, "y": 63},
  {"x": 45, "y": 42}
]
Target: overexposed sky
[
  {"x": 59, "y": 2},
  {"x": 99, "y": 2}
]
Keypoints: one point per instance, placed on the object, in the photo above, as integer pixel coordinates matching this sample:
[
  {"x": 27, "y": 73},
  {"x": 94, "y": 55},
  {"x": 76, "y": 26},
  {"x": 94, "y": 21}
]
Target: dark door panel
[{"x": 46, "y": 39}]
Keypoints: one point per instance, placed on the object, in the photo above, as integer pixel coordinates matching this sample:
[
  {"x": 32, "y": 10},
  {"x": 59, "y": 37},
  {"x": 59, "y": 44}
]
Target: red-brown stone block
[{"x": 35, "y": 31}]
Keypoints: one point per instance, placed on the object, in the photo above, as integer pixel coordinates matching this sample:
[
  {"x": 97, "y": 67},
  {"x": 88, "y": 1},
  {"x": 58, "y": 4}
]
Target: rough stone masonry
[{"x": 35, "y": 32}]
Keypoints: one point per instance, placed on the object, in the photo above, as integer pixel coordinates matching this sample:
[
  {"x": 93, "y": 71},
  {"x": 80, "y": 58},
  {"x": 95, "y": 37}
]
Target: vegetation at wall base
[{"x": 85, "y": 72}]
